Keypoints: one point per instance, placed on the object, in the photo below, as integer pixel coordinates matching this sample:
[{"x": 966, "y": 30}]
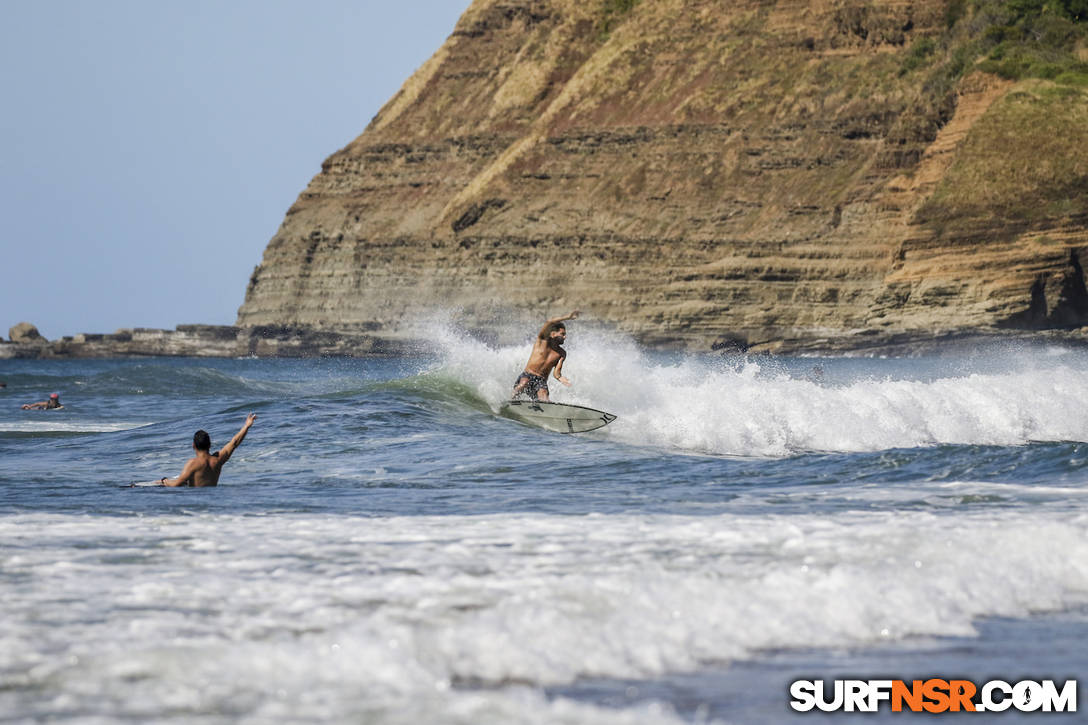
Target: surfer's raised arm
[
  {"x": 227, "y": 450},
  {"x": 550, "y": 324}
]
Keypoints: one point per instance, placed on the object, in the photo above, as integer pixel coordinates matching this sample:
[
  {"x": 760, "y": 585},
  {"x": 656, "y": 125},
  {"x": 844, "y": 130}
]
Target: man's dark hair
[
  {"x": 202, "y": 441},
  {"x": 554, "y": 327}
]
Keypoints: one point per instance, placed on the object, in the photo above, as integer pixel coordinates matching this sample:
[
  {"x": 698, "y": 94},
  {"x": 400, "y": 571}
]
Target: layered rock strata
[{"x": 698, "y": 174}]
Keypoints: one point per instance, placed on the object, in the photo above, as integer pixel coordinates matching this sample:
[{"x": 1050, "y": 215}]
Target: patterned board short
[{"x": 535, "y": 385}]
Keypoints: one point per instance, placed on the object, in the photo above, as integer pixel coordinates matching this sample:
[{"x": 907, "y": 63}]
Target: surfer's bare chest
[{"x": 544, "y": 357}]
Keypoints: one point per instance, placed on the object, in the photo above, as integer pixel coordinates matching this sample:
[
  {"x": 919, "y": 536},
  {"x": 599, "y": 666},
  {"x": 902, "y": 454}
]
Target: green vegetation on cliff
[
  {"x": 612, "y": 14},
  {"x": 1035, "y": 39},
  {"x": 1014, "y": 39},
  {"x": 1026, "y": 161},
  {"x": 1027, "y": 158}
]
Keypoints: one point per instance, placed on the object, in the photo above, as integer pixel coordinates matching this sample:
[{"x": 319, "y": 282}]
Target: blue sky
[{"x": 149, "y": 149}]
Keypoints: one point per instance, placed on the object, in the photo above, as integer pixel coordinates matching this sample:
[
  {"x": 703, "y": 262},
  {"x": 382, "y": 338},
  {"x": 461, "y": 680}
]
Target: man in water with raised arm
[
  {"x": 547, "y": 357},
  {"x": 204, "y": 469}
]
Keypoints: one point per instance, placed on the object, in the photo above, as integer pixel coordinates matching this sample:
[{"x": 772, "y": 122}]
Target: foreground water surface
[{"x": 385, "y": 548}]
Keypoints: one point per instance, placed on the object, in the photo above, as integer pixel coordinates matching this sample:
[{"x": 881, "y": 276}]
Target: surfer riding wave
[{"x": 547, "y": 357}]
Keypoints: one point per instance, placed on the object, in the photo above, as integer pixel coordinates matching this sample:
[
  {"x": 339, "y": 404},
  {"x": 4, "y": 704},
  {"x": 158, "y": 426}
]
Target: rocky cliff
[{"x": 799, "y": 174}]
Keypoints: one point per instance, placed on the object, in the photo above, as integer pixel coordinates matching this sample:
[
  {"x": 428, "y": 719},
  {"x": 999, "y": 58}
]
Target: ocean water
[{"x": 384, "y": 548}]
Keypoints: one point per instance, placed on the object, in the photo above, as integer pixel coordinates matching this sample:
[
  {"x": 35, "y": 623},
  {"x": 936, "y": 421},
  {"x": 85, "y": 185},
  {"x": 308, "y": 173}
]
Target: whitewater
[{"x": 385, "y": 548}]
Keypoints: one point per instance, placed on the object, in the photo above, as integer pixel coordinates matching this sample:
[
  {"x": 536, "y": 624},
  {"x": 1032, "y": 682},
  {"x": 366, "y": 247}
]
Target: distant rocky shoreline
[
  {"x": 204, "y": 341},
  {"x": 228, "y": 341}
]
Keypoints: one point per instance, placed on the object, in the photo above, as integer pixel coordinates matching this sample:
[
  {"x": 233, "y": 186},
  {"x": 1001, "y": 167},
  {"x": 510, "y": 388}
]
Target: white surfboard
[{"x": 558, "y": 417}]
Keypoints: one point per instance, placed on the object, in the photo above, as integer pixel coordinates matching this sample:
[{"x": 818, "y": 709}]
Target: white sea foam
[
  {"x": 752, "y": 408},
  {"x": 60, "y": 426},
  {"x": 331, "y": 618}
]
